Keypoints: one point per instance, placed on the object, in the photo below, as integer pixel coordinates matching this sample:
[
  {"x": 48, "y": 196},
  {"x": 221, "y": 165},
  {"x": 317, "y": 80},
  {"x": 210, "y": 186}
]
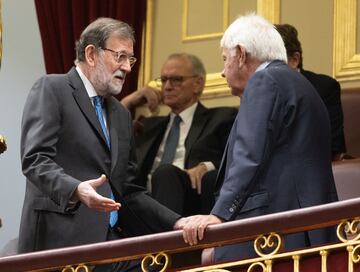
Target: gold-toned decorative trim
[
  {"x": 161, "y": 261},
  {"x": 296, "y": 259},
  {"x": 269, "y": 9},
  {"x": 185, "y": 15},
  {"x": 256, "y": 265},
  {"x": 348, "y": 230},
  {"x": 79, "y": 268},
  {"x": 355, "y": 256},
  {"x": 324, "y": 254},
  {"x": 272, "y": 243},
  {"x": 346, "y": 62},
  {"x": 145, "y": 69},
  {"x": 3, "y": 145}
]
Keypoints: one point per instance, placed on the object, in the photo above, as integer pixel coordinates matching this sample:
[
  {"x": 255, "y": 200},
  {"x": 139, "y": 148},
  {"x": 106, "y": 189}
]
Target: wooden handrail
[{"x": 172, "y": 242}]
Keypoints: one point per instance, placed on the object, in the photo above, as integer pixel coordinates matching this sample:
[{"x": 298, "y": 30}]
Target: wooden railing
[{"x": 168, "y": 243}]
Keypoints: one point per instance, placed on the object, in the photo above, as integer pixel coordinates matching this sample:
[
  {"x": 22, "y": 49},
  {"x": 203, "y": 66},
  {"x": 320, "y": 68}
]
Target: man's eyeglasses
[
  {"x": 121, "y": 57},
  {"x": 174, "y": 80}
]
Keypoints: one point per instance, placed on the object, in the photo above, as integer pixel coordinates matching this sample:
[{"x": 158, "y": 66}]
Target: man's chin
[{"x": 115, "y": 89}]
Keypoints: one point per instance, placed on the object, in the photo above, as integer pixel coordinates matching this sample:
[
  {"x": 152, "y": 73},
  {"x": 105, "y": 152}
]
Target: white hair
[{"x": 259, "y": 38}]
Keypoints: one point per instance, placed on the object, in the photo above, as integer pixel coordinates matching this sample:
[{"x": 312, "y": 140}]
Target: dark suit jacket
[
  {"x": 205, "y": 142},
  {"x": 62, "y": 144},
  {"x": 330, "y": 93},
  {"x": 278, "y": 152}
]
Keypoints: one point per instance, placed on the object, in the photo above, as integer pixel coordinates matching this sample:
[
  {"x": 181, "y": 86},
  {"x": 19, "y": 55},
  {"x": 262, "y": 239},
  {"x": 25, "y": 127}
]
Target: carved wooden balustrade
[{"x": 159, "y": 248}]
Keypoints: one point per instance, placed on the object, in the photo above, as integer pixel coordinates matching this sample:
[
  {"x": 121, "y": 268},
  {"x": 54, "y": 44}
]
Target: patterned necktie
[
  {"x": 171, "y": 141},
  {"x": 98, "y": 104}
]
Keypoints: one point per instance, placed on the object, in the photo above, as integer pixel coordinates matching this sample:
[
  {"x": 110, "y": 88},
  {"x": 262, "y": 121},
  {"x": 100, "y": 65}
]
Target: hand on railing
[{"x": 3, "y": 146}]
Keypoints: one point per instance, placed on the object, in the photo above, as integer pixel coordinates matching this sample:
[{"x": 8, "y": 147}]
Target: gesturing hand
[{"x": 86, "y": 193}]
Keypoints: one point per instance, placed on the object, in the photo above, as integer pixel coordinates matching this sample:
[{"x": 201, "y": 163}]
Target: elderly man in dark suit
[
  {"x": 183, "y": 181},
  {"x": 278, "y": 153},
  {"x": 327, "y": 87},
  {"x": 78, "y": 154}
]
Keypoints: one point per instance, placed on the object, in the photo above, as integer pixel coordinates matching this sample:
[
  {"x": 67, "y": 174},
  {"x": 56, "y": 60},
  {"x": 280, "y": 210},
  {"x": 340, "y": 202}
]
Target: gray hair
[
  {"x": 99, "y": 31},
  {"x": 259, "y": 38},
  {"x": 197, "y": 65}
]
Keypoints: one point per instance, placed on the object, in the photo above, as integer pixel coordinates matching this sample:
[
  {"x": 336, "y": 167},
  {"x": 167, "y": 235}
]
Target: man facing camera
[
  {"x": 78, "y": 154},
  {"x": 178, "y": 154},
  {"x": 327, "y": 87},
  {"x": 277, "y": 156}
]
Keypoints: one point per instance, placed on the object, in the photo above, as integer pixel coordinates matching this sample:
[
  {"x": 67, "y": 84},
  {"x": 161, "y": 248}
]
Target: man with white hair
[{"x": 278, "y": 152}]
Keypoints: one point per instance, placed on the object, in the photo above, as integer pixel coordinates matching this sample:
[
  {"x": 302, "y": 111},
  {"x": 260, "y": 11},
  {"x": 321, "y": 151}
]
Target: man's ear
[
  {"x": 200, "y": 82},
  {"x": 241, "y": 55},
  {"x": 294, "y": 60},
  {"x": 90, "y": 55}
]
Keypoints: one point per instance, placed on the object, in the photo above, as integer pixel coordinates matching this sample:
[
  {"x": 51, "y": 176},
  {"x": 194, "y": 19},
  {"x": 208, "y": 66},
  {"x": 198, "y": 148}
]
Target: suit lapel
[
  {"x": 84, "y": 103},
  {"x": 151, "y": 140},
  {"x": 198, "y": 123}
]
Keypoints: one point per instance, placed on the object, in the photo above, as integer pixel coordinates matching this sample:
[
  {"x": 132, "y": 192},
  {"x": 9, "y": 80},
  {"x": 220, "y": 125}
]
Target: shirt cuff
[{"x": 209, "y": 166}]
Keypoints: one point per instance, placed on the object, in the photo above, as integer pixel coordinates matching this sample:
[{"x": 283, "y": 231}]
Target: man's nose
[
  {"x": 125, "y": 66},
  {"x": 167, "y": 84}
]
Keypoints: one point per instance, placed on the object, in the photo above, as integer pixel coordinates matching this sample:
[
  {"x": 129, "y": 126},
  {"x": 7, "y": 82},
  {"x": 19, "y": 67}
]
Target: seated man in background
[
  {"x": 178, "y": 154},
  {"x": 327, "y": 87}
]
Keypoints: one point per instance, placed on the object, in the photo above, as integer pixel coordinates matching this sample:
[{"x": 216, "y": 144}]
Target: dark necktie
[
  {"x": 98, "y": 104},
  {"x": 171, "y": 141}
]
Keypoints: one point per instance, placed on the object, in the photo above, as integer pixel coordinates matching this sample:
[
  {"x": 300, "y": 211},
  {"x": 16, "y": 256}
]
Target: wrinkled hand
[
  {"x": 146, "y": 95},
  {"x": 195, "y": 174},
  {"x": 194, "y": 226},
  {"x": 152, "y": 97},
  {"x": 181, "y": 223},
  {"x": 86, "y": 193}
]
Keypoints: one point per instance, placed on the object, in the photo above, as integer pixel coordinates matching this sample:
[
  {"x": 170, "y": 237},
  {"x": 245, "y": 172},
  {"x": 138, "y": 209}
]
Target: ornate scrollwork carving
[
  {"x": 79, "y": 268},
  {"x": 271, "y": 243},
  {"x": 161, "y": 261},
  {"x": 258, "y": 264},
  {"x": 2, "y": 144},
  {"x": 348, "y": 231},
  {"x": 355, "y": 254}
]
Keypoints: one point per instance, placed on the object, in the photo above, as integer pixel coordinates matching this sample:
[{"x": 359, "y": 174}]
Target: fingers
[
  {"x": 195, "y": 175},
  {"x": 193, "y": 231},
  {"x": 87, "y": 194},
  {"x": 198, "y": 184},
  {"x": 194, "y": 227},
  {"x": 104, "y": 204},
  {"x": 153, "y": 98}
]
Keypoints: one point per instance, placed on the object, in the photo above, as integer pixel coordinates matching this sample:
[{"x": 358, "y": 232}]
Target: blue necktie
[
  {"x": 171, "y": 141},
  {"x": 98, "y": 103}
]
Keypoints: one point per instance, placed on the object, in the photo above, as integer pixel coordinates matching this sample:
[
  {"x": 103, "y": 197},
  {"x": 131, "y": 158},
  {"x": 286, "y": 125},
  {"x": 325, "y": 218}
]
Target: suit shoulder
[
  {"x": 226, "y": 111},
  {"x": 153, "y": 120},
  {"x": 319, "y": 79}
]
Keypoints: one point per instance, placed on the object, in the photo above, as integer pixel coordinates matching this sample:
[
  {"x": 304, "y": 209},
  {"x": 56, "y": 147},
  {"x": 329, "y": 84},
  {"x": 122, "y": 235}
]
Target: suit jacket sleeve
[
  {"x": 140, "y": 213},
  {"x": 336, "y": 118},
  {"x": 41, "y": 124},
  {"x": 250, "y": 144}
]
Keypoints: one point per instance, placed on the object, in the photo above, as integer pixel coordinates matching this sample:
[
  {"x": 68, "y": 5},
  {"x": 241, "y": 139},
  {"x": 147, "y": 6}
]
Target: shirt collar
[
  {"x": 88, "y": 86},
  {"x": 186, "y": 114},
  {"x": 262, "y": 66}
]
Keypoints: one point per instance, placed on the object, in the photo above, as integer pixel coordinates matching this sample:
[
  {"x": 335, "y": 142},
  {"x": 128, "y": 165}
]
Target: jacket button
[{"x": 231, "y": 210}]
